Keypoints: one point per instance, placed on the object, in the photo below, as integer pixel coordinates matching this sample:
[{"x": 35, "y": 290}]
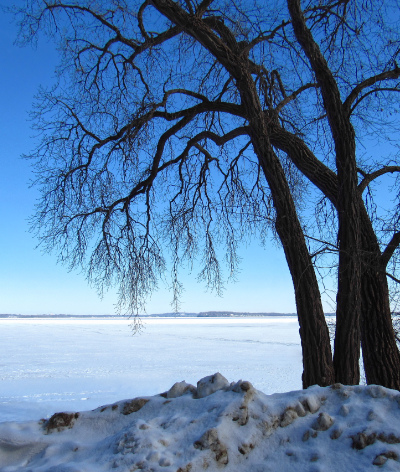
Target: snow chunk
[
  {"x": 134, "y": 405},
  {"x": 323, "y": 422},
  {"x": 210, "y": 440},
  {"x": 240, "y": 387},
  {"x": 211, "y": 384},
  {"x": 60, "y": 421},
  {"x": 312, "y": 403},
  {"x": 179, "y": 389},
  {"x": 382, "y": 458},
  {"x": 376, "y": 391},
  {"x": 288, "y": 417}
]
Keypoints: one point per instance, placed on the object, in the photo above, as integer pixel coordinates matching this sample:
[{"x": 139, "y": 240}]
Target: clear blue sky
[{"x": 32, "y": 282}]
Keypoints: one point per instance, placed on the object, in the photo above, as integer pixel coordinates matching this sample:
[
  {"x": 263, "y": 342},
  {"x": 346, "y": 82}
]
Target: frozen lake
[{"x": 50, "y": 365}]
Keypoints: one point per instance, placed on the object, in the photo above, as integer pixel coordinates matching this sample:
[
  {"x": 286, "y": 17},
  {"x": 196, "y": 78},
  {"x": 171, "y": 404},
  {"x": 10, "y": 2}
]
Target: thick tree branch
[
  {"x": 199, "y": 30},
  {"x": 140, "y": 19},
  {"x": 293, "y": 96},
  {"x": 387, "y": 75},
  {"x": 368, "y": 178},
  {"x": 393, "y": 277},
  {"x": 373, "y": 91},
  {"x": 329, "y": 89},
  {"x": 304, "y": 159},
  {"x": 390, "y": 249}
]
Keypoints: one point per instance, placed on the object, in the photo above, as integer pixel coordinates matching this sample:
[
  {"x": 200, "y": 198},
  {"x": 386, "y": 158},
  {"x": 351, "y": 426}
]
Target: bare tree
[
  {"x": 178, "y": 125},
  {"x": 365, "y": 66}
]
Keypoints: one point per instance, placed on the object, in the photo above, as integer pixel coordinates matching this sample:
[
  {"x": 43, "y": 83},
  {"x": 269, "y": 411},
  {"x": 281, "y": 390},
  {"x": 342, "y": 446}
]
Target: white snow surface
[
  {"x": 213, "y": 424},
  {"x": 50, "y": 365},
  {"x": 233, "y": 428}
]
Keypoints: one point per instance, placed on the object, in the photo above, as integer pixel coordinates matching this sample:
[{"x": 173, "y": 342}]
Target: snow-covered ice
[
  {"x": 167, "y": 409},
  {"x": 50, "y": 365}
]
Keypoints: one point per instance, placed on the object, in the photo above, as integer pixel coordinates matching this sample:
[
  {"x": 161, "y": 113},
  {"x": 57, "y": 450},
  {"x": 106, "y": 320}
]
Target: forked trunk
[
  {"x": 380, "y": 353},
  {"x": 347, "y": 338}
]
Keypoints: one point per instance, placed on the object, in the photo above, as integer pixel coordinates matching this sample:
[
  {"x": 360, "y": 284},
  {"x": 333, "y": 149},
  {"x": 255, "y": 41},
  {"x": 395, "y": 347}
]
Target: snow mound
[
  {"x": 216, "y": 426},
  {"x": 211, "y": 384}
]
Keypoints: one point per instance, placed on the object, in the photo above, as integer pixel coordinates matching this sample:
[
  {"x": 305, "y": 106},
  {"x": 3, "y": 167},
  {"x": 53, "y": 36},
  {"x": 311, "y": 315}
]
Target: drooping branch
[
  {"x": 132, "y": 128},
  {"x": 98, "y": 17},
  {"x": 150, "y": 40},
  {"x": 204, "y": 135},
  {"x": 144, "y": 185}
]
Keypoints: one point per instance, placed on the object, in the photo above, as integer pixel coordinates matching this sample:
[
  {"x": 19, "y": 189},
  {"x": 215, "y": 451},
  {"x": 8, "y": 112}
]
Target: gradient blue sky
[{"x": 32, "y": 282}]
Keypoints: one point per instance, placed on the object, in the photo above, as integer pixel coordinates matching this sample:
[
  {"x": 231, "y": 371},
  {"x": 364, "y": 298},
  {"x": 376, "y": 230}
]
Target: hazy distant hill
[{"x": 236, "y": 313}]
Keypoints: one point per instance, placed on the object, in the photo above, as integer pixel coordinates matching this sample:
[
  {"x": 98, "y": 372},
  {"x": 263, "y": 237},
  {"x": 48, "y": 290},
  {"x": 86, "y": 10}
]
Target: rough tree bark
[
  {"x": 317, "y": 357},
  {"x": 381, "y": 355}
]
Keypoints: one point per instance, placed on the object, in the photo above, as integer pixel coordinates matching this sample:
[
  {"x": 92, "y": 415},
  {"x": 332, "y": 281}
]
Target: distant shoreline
[{"x": 208, "y": 314}]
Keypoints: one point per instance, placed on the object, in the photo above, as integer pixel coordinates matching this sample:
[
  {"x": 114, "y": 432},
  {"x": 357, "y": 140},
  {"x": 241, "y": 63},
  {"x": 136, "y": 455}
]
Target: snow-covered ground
[
  {"x": 75, "y": 364},
  {"x": 215, "y": 424}
]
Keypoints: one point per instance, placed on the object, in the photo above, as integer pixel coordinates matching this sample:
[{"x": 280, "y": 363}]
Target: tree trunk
[
  {"x": 314, "y": 334},
  {"x": 347, "y": 338},
  {"x": 381, "y": 355}
]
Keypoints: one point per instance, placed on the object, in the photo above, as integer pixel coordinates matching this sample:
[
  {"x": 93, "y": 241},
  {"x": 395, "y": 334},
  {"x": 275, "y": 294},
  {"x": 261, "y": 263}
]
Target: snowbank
[{"x": 216, "y": 426}]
